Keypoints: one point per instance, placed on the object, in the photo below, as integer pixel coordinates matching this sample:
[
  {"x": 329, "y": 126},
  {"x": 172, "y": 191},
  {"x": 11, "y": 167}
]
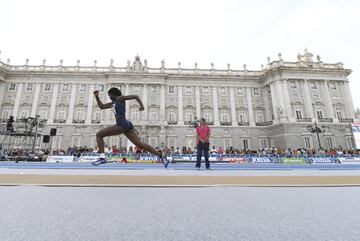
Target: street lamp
[{"x": 316, "y": 130}]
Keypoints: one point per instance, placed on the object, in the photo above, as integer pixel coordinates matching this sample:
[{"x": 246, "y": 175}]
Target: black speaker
[
  {"x": 46, "y": 139},
  {"x": 53, "y": 132}
]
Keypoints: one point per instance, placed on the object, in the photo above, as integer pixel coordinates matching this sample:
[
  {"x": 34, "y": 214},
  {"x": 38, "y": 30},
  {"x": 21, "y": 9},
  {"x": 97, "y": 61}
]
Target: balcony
[
  {"x": 303, "y": 119},
  {"x": 210, "y": 123},
  {"x": 347, "y": 120},
  {"x": 267, "y": 123},
  {"x": 243, "y": 123},
  {"x": 225, "y": 123},
  {"x": 78, "y": 121},
  {"x": 172, "y": 122},
  {"x": 95, "y": 121},
  {"x": 59, "y": 121},
  {"x": 325, "y": 120}
]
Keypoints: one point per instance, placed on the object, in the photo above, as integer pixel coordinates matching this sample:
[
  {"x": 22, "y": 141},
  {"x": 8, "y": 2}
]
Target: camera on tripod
[{"x": 194, "y": 123}]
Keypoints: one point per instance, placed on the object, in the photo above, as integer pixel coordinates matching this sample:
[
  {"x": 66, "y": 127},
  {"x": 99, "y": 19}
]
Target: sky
[{"x": 187, "y": 31}]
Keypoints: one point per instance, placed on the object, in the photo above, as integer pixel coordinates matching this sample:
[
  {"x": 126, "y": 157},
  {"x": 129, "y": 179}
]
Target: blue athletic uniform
[{"x": 119, "y": 111}]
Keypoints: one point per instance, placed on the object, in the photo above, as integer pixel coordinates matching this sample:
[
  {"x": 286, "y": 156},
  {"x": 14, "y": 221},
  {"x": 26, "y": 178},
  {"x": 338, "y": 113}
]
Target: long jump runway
[{"x": 177, "y": 175}]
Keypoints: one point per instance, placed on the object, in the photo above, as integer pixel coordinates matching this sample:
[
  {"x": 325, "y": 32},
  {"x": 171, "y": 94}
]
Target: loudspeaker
[
  {"x": 46, "y": 139},
  {"x": 53, "y": 132}
]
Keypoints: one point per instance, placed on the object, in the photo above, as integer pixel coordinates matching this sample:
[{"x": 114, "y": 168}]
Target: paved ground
[{"x": 61, "y": 202}]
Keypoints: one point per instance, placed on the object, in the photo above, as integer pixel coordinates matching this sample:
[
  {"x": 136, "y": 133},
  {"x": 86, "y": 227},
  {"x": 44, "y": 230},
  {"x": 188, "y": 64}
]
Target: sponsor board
[
  {"x": 234, "y": 159},
  {"x": 67, "y": 159},
  {"x": 293, "y": 160},
  {"x": 321, "y": 160},
  {"x": 261, "y": 160},
  {"x": 356, "y": 131},
  {"x": 349, "y": 160}
]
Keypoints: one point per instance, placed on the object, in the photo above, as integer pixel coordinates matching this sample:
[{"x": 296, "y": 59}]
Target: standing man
[{"x": 202, "y": 139}]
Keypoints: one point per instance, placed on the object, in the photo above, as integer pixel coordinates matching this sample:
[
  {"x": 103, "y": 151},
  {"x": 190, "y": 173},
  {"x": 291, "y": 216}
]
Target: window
[
  {"x": 349, "y": 143},
  {"x": 259, "y": 117},
  {"x": 98, "y": 116},
  {"x": 240, "y": 91},
  {"x": 332, "y": 86},
  {"x": 12, "y": 87},
  {"x": 338, "y": 114},
  {"x": 171, "y": 115},
  {"x": 189, "y": 115},
  {"x": 47, "y": 87},
  {"x": 298, "y": 114},
  {"x": 222, "y": 91},
  {"x": 293, "y": 85},
  {"x": 153, "y": 115},
  {"x": 135, "y": 114},
  {"x": 313, "y": 85},
  {"x": 307, "y": 142},
  {"x": 205, "y": 90},
  {"x": 29, "y": 87},
  {"x": 263, "y": 143},
  {"x": 319, "y": 114},
  {"x": 225, "y": 117},
  {"x": 242, "y": 117},
  {"x": 171, "y": 89},
  {"x": 82, "y": 88},
  {"x": 329, "y": 142},
  {"x": 153, "y": 89},
  {"x": 24, "y": 113},
  {"x": 80, "y": 114},
  {"x": 65, "y": 88},
  {"x": 43, "y": 113},
  {"x": 101, "y": 88},
  {"x": 207, "y": 115},
  {"x": 256, "y": 91},
  {"x": 245, "y": 143},
  {"x": 188, "y": 90},
  {"x": 76, "y": 141},
  {"x": 61, "y": 114},
  {"x": 227, "y": 142}
]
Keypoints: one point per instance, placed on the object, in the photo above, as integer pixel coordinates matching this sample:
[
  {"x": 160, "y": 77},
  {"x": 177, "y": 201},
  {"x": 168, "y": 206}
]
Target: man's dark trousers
[{"x": 202, "y": 147}]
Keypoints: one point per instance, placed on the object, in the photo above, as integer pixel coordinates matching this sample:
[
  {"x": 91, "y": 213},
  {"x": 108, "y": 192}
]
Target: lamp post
[{"x": 316, "y": 130}]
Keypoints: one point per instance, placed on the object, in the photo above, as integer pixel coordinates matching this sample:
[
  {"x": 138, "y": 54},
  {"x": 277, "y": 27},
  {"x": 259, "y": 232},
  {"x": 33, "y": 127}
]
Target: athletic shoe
[
  {"x": 99, "y": 161},
  {"x": 164, "y": 159}
]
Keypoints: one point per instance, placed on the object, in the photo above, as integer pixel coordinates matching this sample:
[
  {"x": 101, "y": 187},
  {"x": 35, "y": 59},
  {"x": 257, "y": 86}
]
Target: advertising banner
[
  {"x": 261, "y": 160},
  {"x": 356, "y": 130},
  {"x": 349, "y": 160},
  {"x": 293, "y": 160},
  {"x": 321, "y": 160}
]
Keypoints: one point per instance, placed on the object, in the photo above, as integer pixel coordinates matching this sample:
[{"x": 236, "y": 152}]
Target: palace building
[{"x": 276, "y": 106}]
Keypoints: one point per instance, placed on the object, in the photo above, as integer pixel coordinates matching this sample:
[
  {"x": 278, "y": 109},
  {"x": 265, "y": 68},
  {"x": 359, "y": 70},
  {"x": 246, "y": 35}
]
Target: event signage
[
  {"x": 261, "y": 160},
  {"x": 356, "y": 131},
  {"x": 293, "y": 160},
  {"x": 321, "y": 160},
  {"x": 349, "y": 160}
]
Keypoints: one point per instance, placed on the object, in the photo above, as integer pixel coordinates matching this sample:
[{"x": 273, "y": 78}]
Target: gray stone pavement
[{"x": 35, "y": 213}]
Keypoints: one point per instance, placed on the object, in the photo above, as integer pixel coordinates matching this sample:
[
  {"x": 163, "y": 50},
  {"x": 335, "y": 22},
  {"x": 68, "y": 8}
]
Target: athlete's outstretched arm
[
  {"x": 100, "y": 104},
  {"x": 132, "y": 97}
]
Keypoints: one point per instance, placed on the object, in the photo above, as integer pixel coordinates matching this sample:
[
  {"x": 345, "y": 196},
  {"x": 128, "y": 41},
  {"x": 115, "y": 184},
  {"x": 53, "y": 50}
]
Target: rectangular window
[
  {"x": 222, "y": 90},
  {"x": 338, "y": 114},
  {"x": 65, "y": 88},
  {"x": 245, "y": 144},
  {"x": 240, "y": 91},
  {"x": 332, "y": 86},
  {"x": 298, "y": 114},
  {"x": 47, "y": 87},
  {"x": 293, "y": 85},
  {"x": 101, "y": 88},
  {"x": 188, "y": 90},
  {"x": 12, "y": 87},
  {"x": 263, "y": 143},
  {"x": 82, "y": 88},
  {"x": 307, "y": 142},
  {"x": 256, "y": 91},
  {"x": 171, "y": 89},
  {"x": 205, "y": 90},
  {"x": 319, "y": 114},
  {"x": 329, "y": 142},
  {"x": 29, "y": 87},
  {"x": 153, "y": 89},
  {"x": 313, "y": 85}
]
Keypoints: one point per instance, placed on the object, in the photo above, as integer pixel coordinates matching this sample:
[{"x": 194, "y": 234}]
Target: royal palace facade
[{"x": 276, "y": 106}]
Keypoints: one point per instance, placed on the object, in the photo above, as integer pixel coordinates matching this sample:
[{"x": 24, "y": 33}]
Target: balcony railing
[
  {"x": 267, "y": 123},
  {"x": 78, "y": 121},
  {"x": 325, "y": 120},
  {"x": 95, "y": 121},
  {"x": 59, "y": 121},
  {"x": 243, "y": 123},
  {"x": 225, "y": 123},
  {"x": 210, "y": 123},
  {"x": 172, "y": 122},
  {"x": 303, "y": 119},
  {"x": 346, "y": 120}
]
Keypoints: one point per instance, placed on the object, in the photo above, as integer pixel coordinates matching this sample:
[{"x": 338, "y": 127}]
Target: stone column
[
  {"x": 36, "y": 99},
  {"x": 250, "y": 107},
  {"x": 145, "y": 102},
  {"x": 71, "y": 105},
  {"x": 349, "y": 105},
  {"x": 90, "y": 105},
  {"x": 309, "y": 111},
  {"x": 197, "y": 101},
  {"x": 17, "y": 99},
  {"x": 162, "y": 103},
  {"x": 2, "y": 93},
  {"x": 328, "y": 103},
  {"x": 216, "y": 108},
  {"x": 285, "y": 92},
  {"x": 180, "y": 106},
  {"x": 274, "y": 102},
  {"x": 53, "y": 104},
  {"x": 232, "y": 106}
]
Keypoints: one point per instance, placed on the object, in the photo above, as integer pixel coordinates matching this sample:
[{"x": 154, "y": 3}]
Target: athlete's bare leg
[
  {"x": 134, "y": 138},
  {"x": 108, "y": 131}
]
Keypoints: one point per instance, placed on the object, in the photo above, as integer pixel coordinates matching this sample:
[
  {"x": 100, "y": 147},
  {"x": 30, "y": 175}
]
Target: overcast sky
[{"x": 224, "y": 31}]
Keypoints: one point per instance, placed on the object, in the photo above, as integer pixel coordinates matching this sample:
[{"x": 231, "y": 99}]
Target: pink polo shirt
[{"x": 203, "y": 131}]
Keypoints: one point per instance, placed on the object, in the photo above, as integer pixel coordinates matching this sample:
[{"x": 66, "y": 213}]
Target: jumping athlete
[{"x": 122, "y": 126}]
